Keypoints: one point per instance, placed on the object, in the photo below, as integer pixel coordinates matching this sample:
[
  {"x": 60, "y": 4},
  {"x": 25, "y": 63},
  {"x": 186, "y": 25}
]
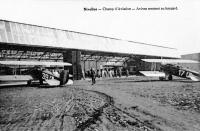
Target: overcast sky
[{"x": 173, "y": 28}]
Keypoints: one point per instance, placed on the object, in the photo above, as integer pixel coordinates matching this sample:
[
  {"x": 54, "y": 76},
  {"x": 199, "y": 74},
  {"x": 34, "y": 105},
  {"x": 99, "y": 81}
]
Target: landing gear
[
  {"x": 161, "y": 78},
  {"x": 29, "y": 82},
  {"x": 168, "y": 77}
]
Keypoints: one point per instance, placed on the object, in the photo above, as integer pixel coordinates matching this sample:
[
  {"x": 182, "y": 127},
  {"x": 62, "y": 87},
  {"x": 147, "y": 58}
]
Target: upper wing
[
  {"x": 43, "y": 63},
  {"x": 170, "y": 61}
]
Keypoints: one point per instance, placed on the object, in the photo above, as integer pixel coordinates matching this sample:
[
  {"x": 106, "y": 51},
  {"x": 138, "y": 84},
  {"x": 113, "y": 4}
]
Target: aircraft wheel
[
  {"x": 161, "y": 78},
  {"x": 170, "y": 77},
  {"x": 29, "y": 82}
]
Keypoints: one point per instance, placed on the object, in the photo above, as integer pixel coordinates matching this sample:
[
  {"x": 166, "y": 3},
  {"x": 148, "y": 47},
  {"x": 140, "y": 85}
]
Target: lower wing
[{"x": 153, "y": 73}]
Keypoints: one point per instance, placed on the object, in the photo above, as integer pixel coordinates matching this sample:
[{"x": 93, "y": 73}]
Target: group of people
[{"x": 106, "y": 72}]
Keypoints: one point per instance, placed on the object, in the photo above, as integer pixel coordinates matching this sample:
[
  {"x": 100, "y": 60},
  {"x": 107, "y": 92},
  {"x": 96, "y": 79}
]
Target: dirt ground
[{"x": 119, "y": 104}]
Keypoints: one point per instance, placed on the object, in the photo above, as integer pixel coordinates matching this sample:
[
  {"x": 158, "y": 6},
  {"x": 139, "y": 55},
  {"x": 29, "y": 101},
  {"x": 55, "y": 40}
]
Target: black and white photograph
[{"x": 99, "y": 65}]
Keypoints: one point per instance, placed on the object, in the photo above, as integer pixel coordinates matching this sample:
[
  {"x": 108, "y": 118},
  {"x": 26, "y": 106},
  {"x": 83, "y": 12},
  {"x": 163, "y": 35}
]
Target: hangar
[{"x": 20, "y": 41}]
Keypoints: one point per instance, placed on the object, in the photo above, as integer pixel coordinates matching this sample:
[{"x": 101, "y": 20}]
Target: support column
[{"x": 73, "y": 57}]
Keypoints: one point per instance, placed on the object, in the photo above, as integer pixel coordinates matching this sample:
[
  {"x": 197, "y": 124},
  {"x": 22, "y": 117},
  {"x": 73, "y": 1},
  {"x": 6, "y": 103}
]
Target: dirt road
[
  {"x": 168, "y": 105},
  {"x": 125, "y": 104}
]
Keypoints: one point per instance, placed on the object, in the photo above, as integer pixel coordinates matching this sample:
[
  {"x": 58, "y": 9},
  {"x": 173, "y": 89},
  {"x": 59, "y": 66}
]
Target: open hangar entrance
[
  {"x": 10, "y": 52},
  {"x": 105, "y": 60},
  {"x": 82, "y": 61}
]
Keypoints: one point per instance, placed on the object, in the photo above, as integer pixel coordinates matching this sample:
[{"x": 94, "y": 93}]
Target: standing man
[
  {"x": 92, "y": 73},
  {"x": 127, "y": 72},
  {"x": 120, "y": 72},
  {"x": 101, "y": 70},
  {"x": 83, "y": 73}
]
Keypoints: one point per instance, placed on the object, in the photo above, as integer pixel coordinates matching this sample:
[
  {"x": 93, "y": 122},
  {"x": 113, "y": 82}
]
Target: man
[
  {"x": 127, "y": 72},
  {"x": 92, "y": 73},
  {"x": 101, "y": 70},
  {"x": 83, "y": 73}
]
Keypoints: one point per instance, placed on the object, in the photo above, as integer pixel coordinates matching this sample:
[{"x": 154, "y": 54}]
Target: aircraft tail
[{"x": 194, "y": 78}]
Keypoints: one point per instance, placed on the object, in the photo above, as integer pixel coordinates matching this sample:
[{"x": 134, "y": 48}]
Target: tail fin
[{"x": 194, "y": 78}]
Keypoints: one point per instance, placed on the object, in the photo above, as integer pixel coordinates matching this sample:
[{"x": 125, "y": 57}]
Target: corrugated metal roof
[{"x": 19, "y": 33}]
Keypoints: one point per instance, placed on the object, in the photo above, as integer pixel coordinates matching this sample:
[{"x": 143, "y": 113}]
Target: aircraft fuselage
[{"x": 175, "y": 70}]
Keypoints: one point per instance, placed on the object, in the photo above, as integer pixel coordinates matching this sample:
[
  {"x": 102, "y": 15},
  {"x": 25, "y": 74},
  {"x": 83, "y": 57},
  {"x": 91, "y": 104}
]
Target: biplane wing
[
  {"x": 35, "y": 63},
  {"x": 153, "y": 73},
  {"x": 169, "y": 61}
]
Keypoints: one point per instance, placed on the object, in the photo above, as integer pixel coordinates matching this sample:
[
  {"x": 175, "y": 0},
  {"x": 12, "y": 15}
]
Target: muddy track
[
  {"x": 85, "y": 110},
  {"x": 109, "y": 117}
]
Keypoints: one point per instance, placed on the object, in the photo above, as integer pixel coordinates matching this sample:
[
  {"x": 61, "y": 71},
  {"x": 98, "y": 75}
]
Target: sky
[{"x": 178, "y": 28}]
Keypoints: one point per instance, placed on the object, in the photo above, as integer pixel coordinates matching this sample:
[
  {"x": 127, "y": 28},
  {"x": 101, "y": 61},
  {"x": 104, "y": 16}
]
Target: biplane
[
  {"x": 170, "y": 68},
  {"x": 35, "y": 71}
]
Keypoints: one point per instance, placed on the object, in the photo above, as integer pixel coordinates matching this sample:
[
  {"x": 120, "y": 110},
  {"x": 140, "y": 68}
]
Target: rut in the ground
[{"x": 84, "y": 111}]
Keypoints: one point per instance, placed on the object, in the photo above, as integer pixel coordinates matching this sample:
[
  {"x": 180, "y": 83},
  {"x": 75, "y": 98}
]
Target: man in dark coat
[{"x": 92, "y": 73}]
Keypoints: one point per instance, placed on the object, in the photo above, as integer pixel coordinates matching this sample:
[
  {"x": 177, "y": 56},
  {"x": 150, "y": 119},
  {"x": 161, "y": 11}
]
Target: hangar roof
[{"x": 33, "y": 35}]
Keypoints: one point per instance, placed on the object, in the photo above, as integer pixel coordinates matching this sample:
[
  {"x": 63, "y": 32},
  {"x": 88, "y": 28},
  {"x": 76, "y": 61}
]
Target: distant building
[{"x": 194, "y": 56}]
